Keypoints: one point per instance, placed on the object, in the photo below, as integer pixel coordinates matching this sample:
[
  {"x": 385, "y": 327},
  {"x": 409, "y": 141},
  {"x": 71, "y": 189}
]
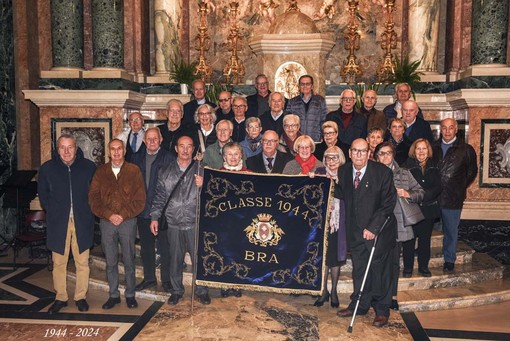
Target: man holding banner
[
  {"x": 370, "y": 197},
  {"x": 177, "y": 190}
]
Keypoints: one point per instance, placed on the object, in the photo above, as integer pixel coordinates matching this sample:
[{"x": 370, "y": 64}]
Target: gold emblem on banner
[{"x": 264, "y": 231}]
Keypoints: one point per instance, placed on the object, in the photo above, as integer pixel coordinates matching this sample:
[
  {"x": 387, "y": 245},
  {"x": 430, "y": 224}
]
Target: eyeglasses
[
  {"x": 137, "y": 120},
  {"x": 348, "y": 99},
  {"x": 329, "y": 133},
  {"x": 239, "y": 106},
  {"x": 264, "y": 141},
  {"x": 359, "y": 151},
  {"x": 262, "y": 83},
  {"x": 224, "y": 99},
  {"x": 291, "y": 125},
  {"x": 389, "y": 152},
  {"x": 332, "y": 157}
]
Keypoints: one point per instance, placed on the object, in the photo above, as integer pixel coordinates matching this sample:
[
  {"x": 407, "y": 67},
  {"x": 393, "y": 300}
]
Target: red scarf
[{"x": 306, "y": 166}]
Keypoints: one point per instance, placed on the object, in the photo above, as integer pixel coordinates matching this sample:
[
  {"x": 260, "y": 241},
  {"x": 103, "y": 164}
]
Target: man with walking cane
[{"x": 370, "y": 197}]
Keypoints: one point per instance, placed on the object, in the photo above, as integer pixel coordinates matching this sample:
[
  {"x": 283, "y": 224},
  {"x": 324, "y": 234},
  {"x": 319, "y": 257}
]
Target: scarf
[
  {"x": 233, "y": 168},
  {"x": 290, "y": 143},
  {"x": 306, "y": 166},
  {"x": 254, "y": 143}
]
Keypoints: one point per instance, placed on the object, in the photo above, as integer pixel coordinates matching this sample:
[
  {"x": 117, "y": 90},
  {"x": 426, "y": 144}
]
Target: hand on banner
[
  {"x": 368, "y": 235},
  {"x": 199, "y": 180},
  {"x": 154, "y": 227}
]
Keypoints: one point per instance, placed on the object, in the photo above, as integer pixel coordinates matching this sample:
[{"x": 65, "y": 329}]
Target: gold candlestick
[
  {"x": 351, "y": 70},
  {"x": 203, "y": 43},
  {"x": 386, "y": 71},
  {"x": 234, "y": 69}
]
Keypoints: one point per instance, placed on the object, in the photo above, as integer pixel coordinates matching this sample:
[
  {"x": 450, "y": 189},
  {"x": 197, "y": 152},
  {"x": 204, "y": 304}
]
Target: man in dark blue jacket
[
  {"x": 150, "y": 163},
  {"x": 63, "y": 187}
]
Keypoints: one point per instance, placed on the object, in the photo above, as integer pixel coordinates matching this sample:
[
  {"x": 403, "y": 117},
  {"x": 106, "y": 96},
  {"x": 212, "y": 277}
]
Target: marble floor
[{"x": 26, "y": 294}]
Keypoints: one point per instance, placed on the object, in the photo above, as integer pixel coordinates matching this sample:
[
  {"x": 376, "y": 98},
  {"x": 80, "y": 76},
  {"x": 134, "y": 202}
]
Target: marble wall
[
  {"x": 108, "y": 33},
  {"x": 7, "y": 90},
  {"x": 67, "y": 33}
]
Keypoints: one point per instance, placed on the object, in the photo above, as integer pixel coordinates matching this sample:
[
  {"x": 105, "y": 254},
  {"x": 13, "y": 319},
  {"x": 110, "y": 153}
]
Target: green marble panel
[
  {"x": 489, "y": 31},
  {"x": 108, "y": 33},
  {"x": 67, "y": 33}
]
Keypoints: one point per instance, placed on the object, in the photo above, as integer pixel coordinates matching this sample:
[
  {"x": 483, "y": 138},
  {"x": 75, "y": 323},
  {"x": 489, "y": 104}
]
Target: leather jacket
[{"x": 458, "y": 170}]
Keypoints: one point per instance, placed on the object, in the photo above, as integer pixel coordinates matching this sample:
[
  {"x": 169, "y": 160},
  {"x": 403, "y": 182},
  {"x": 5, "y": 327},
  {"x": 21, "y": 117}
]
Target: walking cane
[
  {"x": 349, "y": 330},
  {"x": 197, "y": 218}
]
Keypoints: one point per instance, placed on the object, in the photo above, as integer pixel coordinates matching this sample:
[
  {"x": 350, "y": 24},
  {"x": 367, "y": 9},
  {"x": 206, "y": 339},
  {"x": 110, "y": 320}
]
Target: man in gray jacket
[{"x": 178, "y": 184}]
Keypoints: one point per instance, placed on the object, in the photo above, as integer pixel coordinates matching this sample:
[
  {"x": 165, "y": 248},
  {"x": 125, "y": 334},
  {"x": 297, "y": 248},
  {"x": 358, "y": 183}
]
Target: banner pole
[{"x": 195, "y": 249}]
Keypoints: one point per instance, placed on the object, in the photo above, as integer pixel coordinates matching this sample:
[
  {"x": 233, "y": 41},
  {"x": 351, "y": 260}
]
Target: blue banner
[{"x": 263, "y": 232}]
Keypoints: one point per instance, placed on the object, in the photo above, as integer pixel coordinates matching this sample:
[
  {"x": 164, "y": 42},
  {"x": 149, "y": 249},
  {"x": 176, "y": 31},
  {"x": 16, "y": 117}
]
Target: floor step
[{"x": 477, "y": 294}]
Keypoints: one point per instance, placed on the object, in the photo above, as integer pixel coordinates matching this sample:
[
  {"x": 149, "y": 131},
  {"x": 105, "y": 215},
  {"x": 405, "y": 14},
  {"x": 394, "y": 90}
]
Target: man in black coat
[
  {"x": 457, "y": 164},
  {"x": 369, "y": 193},
  {"x": 150, "y": 162},
  {"x": 402, "y": 93},
  {"x": 258, "y": 103},
  {"x": 63, "y": 187},
  {"x": 198, "y": 87},
  {"x": 417, "y": 127},
  {"x": 270, "y": 161}
]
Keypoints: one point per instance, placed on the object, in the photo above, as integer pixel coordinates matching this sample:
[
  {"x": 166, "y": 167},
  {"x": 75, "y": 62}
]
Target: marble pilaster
[
  {"x": 489, "y": 32},
  {"x": 67, "y": 33},
  {"x": 108, "y": 33},
  {"x": 167, "y": 18},
  {"x": 424, "y": 33}
]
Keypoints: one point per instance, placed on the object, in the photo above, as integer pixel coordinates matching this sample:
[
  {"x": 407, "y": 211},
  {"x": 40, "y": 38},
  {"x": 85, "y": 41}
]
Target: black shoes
[
  {"x": 394, "y": 305},
  {"x": 112, "y": 301},
  {"x": 425, "y": 272},
  {"x": 324, "y": 298},
  {"x": 167, "y": 286},
  {"x": 131, "y": 302},
  {"x": 57, "y": 305},
  {"x": 174, "y": 299},
  {"x": 231, "y": 292},
  {"x": 225, "y": 293},
  {"x": 82, "y": 305},
  {"x": 407, "y": 273},
  {"x": 335, "y": 303},
  {"x": 447, "y": 267},
  {"x": 204, "y": 299},
  {"x": 145, "y": 285},
  {"x": 236, "y": 292}
]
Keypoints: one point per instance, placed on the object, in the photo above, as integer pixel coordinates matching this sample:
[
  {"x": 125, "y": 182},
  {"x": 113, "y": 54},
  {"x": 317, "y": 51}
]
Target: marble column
[
  {"x": 67, "y": 33},
  {"x": 424, "y": 33},
  {"x": 167, "y": 17},
  {"x": 489, "y": 32},
  {"x": 108, "y": 33}
]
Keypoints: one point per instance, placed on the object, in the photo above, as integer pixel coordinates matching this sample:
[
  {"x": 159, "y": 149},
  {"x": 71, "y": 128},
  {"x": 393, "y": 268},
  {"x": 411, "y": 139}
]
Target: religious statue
[
  {"x": 267, "y": 9},
  {"x": 211, "y": 7},
  {"x": 327, "y": 10}
]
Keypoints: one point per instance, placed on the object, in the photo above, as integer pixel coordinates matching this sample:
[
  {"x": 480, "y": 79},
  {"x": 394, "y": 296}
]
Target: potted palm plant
[
  {"x": 407, "y": 72},
  {"x": 183, "y": 73}
]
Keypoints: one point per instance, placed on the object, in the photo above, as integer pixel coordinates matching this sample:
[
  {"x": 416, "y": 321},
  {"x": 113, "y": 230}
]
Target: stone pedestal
[
  {"x": 309, "y": 50},
  {"x": 67, "y": 34},
  {"x": 108, "y": 33}
]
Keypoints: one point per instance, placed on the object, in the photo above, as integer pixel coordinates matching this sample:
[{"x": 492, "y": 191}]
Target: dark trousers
[
  {"x": 422, "y": 231},
  {"x": 111, "y": 236},
  {"x": 147, "y": 249},
  {"x": 377, "y": 290},
  {"x": 180, "y": 242},
  {"x": 396, "y": 268},
  {"x": 164, "y": 251}
]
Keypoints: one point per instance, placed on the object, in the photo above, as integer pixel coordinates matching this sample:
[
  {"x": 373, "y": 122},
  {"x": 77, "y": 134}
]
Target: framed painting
[
  {"x": 495, "y": 153},
  {"x": 92, "y": 135}
]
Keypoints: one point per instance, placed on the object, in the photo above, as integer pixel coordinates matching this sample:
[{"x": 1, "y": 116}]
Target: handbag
[
  {"x": 411, "y": 212},
  {"x": 162, "y": 223}
]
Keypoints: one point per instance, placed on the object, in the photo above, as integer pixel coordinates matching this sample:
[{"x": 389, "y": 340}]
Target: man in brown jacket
[{"x": 117, "y": 196}]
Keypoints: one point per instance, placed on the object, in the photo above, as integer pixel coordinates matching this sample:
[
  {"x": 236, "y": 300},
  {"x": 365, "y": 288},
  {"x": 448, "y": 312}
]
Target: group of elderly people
[{"x": 300, "y": 137}]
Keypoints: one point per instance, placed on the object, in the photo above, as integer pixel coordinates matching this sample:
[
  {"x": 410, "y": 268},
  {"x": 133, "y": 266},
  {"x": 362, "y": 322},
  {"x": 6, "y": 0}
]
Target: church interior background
[{"x": 92, "y": 62}]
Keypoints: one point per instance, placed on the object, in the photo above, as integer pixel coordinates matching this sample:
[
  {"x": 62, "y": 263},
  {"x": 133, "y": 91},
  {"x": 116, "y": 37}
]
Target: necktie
[
  {"x": 133, "y": 142},
  {"x": 357, "y": 180},
  {"x": 270, "y": 163}
]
